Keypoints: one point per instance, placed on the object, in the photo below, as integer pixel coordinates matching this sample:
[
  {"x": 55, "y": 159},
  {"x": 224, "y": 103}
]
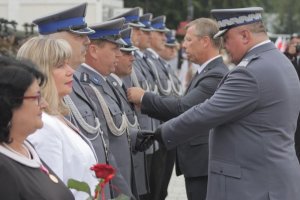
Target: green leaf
[
  {"x": 79, "y": 186},
  {"x": 121, "y": 197}
]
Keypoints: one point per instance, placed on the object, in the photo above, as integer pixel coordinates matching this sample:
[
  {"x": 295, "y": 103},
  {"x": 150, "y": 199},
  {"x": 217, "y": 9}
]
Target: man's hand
[
  {"x": 135, "y": 94},
  {"x": 144, "y": 140},
  {"x": 156, "y": 135}
]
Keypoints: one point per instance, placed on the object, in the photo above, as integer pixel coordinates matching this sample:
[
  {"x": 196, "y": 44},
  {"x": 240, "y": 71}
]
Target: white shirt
[
  {"x": 35, "y": 162},
  {"x": 65, "y": 152},
  {"x": 259, "y": 44},
  {"x": 153, "y": 52},
  {"x": 201, "y": 67}
]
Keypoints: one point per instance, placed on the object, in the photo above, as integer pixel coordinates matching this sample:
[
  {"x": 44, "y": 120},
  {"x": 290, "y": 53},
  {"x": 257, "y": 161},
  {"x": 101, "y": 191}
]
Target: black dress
[{"x": 23, "y": 179}]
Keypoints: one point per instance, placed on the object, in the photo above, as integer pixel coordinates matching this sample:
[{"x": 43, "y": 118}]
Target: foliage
[{"x": 287, "y": 20}]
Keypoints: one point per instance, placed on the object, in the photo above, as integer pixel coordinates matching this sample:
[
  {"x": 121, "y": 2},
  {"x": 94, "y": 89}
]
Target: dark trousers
[
  {"x": 168, "y": 169},
  {"x": 157, "y": 172},
  {"x": 297, "y": 139},
  {"x": 196, "y": 187}
]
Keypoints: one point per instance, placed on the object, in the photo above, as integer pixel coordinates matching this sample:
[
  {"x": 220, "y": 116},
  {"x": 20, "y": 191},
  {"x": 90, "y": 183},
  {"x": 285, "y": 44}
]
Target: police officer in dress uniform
[
  {"x": 170, "y": 54},
  {"x": 142, "y": 76},
  {"x": 123, "y": 71},
  {"x": 101, "y": 58},
  {"x": 70, "y": 25},
  {"x": 253, "y": 114},
  {"x": 168, "y": 84}
]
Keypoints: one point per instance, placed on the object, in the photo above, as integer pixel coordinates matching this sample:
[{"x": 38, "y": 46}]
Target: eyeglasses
[{"x": 36, "y": 97}]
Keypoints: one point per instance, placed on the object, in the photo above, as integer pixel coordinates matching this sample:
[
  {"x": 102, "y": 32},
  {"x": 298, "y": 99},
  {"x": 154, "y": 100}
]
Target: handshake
[{"x": 145, "y": 139}]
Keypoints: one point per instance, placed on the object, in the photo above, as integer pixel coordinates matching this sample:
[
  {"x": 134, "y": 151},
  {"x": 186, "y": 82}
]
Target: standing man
[
  {"x": 253, "y": 114},
  {"x": 118, "y": 79},
  {"x": 101, "y": 59},
  {"x": 168, "y": 84},
  {"x": 170, "y": 53},
  {"x": 191, "y": 156}
]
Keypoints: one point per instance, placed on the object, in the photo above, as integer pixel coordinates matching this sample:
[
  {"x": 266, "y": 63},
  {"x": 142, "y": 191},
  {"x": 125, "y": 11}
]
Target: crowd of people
[{"x": 110, "y": 93}]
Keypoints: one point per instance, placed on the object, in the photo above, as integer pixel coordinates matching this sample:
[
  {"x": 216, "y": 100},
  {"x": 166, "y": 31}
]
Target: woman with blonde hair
[{"x": 61, "y": 145}]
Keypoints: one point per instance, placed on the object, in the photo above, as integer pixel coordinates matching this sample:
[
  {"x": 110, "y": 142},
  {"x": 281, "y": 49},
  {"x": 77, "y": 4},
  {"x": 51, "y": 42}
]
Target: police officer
[
  {"x": 120, "y": 79},
  {"x": 101, "y": 59},
  {"x": 170, "y": 53},
  {"x": 168, "y": 84},
  {"x": 142, "y": 76},
  {"x": 253, "y": 114}
]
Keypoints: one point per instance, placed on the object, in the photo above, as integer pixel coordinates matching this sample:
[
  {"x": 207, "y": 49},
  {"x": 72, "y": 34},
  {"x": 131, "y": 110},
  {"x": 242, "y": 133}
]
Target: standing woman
[
  {"x": 23, "y": 176},
  {"x": 60, "y": 145}
]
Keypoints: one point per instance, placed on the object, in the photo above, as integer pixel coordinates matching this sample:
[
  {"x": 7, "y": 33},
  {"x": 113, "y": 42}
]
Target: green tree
[{"x": 287, "y": 21}]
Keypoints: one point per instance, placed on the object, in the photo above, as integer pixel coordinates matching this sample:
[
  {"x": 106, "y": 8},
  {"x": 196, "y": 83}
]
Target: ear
[
  {"x": 206, "y": 41},
  {"x": 92, "y": 51},
  {"x": 246, "y": 36}
]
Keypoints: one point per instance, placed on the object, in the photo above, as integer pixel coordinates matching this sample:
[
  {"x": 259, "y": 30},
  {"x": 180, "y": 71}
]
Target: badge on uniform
[
  {"x": 246, "y": 61},
  {"x": 115, "y": 83},
  {"x": 96, "y": 81}
]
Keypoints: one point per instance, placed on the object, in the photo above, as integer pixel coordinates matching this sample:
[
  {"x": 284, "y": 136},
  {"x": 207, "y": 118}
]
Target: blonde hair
[{"x": 48, "y": 53}]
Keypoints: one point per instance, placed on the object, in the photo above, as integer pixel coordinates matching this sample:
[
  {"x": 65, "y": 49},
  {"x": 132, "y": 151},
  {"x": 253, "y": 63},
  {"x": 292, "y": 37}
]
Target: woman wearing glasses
[
  {"x": 59, "y": 144},
  {"x": 23, "y": 174}
]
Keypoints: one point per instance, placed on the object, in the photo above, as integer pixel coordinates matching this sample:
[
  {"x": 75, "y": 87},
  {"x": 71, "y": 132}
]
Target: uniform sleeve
[
  {"x": 8, "y": 185},
  {"x": 166, "y": 108},
  {"x": 237, "y": 97},
  {"x": 49, "y": 146}
]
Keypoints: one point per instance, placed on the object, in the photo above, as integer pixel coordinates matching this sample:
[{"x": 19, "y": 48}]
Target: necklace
[{"x": 26, "y": 155}]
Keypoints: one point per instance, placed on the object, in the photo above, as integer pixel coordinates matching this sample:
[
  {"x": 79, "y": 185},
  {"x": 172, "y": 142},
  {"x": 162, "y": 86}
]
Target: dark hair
[{"x": 15, "y": 78}]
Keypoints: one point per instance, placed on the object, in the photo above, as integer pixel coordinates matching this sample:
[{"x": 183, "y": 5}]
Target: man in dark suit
[
  {"x": 253, "y": 116},
  {"x": 192, "y": 156}
]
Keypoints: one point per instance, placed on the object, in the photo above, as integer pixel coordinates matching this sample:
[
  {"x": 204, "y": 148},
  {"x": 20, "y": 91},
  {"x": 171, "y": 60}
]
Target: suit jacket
[
  {"x": 192, "y": 156},
  {"x": 118, "y": 146},
  {"x": 254, "y": 112}
]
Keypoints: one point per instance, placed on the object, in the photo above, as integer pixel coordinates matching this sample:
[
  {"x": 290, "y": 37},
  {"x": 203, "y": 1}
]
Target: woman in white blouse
[{"x": 65, "y": 150}]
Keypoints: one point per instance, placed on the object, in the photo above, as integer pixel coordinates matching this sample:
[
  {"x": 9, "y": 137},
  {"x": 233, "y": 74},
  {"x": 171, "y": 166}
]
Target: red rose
[{"x": 104, "y": 171}]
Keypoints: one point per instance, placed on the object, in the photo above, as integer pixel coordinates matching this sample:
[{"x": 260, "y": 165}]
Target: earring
[{"x": 9, "y": 125}]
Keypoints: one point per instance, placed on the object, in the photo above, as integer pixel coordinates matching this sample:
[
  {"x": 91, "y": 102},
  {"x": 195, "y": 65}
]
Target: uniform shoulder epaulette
[
  {"x": 84, "y": 78},
  {"x": 245, "y": 62}
]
